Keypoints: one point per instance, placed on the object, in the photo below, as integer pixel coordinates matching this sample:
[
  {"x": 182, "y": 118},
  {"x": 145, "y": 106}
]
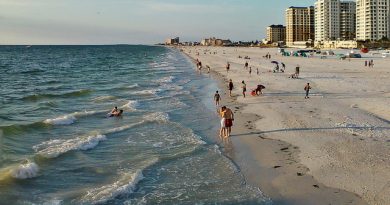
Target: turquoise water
[{"x": 58, "y": 147}]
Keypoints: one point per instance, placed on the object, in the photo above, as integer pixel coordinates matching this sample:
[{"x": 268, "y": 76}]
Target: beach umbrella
[{"x": 276, "y": 62}]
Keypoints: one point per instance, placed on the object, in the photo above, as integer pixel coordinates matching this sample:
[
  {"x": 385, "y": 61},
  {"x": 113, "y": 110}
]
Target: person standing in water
[
  {"x": 243, "y": 88},
  {"x": 222, "y": 130},
  {"x": 230, "y": 86},
  {"x": 307, "y": 89},
  {"x": 217, "y": 98},
  {"x": 229, "y": 118}
]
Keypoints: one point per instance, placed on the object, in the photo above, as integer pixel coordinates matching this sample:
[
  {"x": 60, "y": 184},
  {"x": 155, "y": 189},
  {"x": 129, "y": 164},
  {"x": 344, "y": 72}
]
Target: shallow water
[{"x": 57, "y": 146}]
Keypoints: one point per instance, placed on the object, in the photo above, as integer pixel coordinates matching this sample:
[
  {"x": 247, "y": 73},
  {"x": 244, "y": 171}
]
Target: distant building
[
  {"x": 347, "y": 20},
  {"x": 215, "y": 42},
  {"x": 336, "y": 44},
  {"x": 300, "y": 26},
  {"x": 372, "y": 19},
  {"x": 172, "y": 41},
  {"x": 327, "y": 20},
  {"x": 276, "y": 33}
]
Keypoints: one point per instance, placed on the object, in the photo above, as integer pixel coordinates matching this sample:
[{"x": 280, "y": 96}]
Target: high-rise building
[
  {"x": 347, "y": 20},
  {"x": 172, "y": 41},
  {"x": 372, "y": 19},
  {"x": 327, "y": 20},
  {"x": 299, "y": 24},
  {"x": 276, "y": 33}
]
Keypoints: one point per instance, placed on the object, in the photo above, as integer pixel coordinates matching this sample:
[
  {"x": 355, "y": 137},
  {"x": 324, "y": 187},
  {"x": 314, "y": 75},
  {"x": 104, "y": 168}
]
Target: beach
[{"x": 332, "y": 148}]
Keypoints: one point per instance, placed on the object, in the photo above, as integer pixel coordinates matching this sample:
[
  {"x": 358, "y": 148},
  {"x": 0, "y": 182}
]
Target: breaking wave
[
  {"x": 54, "y": 148},
  {"x": 68, "y": 119},
  {"x": 125, "y": 185},
  {"x": 22, "y": 171}
]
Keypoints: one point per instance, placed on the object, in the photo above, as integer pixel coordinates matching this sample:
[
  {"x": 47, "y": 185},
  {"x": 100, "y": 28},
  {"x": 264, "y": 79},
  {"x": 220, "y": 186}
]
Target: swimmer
[{"x": 117, "y": 114}]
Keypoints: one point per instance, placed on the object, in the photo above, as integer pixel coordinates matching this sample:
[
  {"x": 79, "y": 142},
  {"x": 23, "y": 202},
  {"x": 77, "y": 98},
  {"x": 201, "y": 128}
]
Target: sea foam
[
  {"x": 25, "y": 171},
  {"x": 122, "y": 128},
  {"x": 132, "y": 105},
  {"x": 62, "y": 120},
  {"x": 125, "y": 185},
  {"x": 54, "y": 148},
  {"x": 68, "y": 119},
  {"x": 168, "y": 79},
  {"x": 146, "y": 92},
  {"x": 157, "y": 116}
]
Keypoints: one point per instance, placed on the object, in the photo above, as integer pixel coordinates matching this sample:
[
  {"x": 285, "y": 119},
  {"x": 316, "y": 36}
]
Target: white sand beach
[{"x": 333, "y": 148}]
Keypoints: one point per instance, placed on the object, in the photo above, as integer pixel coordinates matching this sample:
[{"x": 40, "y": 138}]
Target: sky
[{"x": 31, "y": 22}]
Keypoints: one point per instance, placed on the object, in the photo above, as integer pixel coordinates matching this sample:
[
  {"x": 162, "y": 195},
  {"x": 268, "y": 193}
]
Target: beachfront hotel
[
  {"x": 335, "y": 20},
  {"x": 372, "y": 19},
  {"x": 276, "y": 33},
  {"x": 347, "y": 20},
  {"x": 327, "y": 20},
  {"x": 299, "y": 26}
]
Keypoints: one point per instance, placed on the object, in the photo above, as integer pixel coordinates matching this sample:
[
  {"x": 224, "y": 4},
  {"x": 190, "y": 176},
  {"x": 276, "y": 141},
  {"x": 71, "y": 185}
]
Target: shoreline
[{"x": 272, "y": 164}]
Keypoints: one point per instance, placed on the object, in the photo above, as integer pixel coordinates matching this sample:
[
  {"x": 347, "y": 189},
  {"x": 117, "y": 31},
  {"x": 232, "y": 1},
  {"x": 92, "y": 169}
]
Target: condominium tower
[
  {"x": 347, "y": 20},
  {"x": 327, "y": 20},
  {"x": 372, "y": 19},
  {"x": 299, "y": 24},
  {"x": 276, "y": 33}
]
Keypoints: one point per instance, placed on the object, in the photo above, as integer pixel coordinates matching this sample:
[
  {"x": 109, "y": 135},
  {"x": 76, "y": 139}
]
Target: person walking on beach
[
  {"x": 243, "y": 88},
  {"x": 227, "y": 67},
  {"x": 217, "y": 98},
  {"x": 257, "y": 71},
  {"x": 297, "y": 71},
  {"x": 250, "y": 70},
  {"x": 246, "y": 65},
  {"x": 372, "y": 63},
  {"x": 230, "y": 86},
  {"x": 307, "y": 89},
  {"x": 284, "y": 66},
  {"x": 365, "y": 63}
]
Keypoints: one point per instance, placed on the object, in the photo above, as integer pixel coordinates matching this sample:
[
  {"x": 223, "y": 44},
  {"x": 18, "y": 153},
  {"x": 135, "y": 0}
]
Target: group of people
[
  {"x": 227, "y": 117},
  {"x": 268, "y": 56},
  {"x": 369, "y": 63}
]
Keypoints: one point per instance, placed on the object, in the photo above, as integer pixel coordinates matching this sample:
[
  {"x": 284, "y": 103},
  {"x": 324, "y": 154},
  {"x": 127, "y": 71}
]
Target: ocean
[{"x": 57, "y": 145}]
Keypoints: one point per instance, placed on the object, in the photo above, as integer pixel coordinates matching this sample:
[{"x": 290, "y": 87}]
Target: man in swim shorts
[{"x": 229, "y": 118}]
